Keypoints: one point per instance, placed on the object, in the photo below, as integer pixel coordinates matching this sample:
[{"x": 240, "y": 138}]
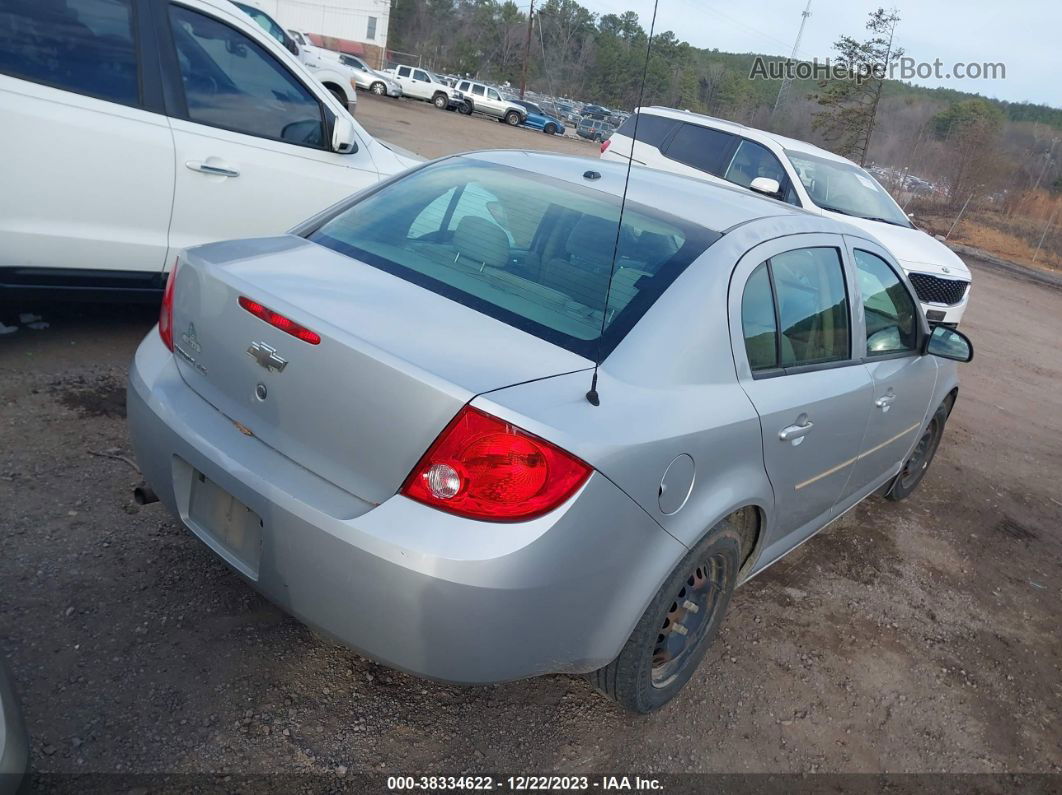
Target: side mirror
[
  {"x": 947, "y": 343},
  {"x": 765, "y": 185},
  {"x": 344, "y": 139}
]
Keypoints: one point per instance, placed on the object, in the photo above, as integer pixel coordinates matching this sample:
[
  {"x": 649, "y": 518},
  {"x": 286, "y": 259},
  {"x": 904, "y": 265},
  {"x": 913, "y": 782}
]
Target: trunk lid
[{"x": 394, "y": 365}]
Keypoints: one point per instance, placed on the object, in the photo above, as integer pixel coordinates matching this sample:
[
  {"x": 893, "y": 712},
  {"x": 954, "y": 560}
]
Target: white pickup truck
[{"x": 420, "y": 83}]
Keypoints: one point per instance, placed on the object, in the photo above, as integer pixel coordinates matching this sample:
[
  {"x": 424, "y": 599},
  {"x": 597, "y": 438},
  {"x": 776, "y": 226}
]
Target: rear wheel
[
  {"x": 673, "y": 634},
  {"x": 378, "y": 88},
  {"x": 440, "y": 101},
  {"x": 512, "y": 118},
  {"x": 550, "y": 129},
  {"x": 915, "y": 467}
]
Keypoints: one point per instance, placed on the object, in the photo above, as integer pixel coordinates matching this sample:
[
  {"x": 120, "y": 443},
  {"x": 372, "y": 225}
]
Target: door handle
[
  {"x": 792, "y": 433},
  {"x": 207, "y": 168},
  {"x": 885, "y": 401}
]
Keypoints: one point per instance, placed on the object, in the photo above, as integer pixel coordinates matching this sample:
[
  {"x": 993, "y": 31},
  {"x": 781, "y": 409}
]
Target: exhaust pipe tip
[{"x": 144, "y": 495}]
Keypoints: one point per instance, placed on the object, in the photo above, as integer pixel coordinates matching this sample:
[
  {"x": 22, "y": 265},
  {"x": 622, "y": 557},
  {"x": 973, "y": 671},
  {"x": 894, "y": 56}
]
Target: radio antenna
[{"x": 592, "y": 396}]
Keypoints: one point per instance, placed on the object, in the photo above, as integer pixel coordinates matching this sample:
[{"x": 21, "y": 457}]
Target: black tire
[
  {"x": 550, "y": 129},
  {"x": 465, "y": 108},
  {"x": 512, "y": 118},
  {"x": 440, "y": 101},
  {"x": 338, "y": 94},
  {"x": 657, "y": 661},
  {"x": 916, "y": 466},
  {"x": 378, "y": 88}
]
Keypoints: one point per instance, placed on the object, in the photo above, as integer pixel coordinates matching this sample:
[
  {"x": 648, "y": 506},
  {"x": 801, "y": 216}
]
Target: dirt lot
[{"x": 921, "y": 636}]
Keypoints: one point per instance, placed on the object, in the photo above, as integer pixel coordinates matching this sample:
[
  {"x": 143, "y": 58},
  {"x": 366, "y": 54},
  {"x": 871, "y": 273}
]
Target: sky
[{"x": 1022, "y": 34}]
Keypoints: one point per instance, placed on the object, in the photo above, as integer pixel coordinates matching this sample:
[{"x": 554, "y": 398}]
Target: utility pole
[
  {"x": 796, "y": 46},
  {"x": 527, "y": 48}
]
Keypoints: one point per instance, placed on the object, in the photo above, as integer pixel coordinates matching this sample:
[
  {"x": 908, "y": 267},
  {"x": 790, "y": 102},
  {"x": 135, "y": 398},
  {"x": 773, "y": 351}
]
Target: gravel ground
[{"x": 921, "y": 636}]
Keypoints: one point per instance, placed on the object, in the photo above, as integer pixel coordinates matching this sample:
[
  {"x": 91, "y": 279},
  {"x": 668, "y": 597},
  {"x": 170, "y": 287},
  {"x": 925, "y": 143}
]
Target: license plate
[{"x": 232, "y": 529}]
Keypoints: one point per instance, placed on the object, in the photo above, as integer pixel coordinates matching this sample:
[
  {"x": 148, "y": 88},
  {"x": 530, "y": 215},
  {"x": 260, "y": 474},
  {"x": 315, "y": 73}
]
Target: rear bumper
[{"x": 415, "y": 588}]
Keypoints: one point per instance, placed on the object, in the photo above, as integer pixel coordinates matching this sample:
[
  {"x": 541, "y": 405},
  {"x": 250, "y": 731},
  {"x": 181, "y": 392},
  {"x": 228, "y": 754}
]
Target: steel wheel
[
  {"x": 678, "y": 626},
  {"x": 916, "y": 465},
  {"x": 691, "y": 613}
]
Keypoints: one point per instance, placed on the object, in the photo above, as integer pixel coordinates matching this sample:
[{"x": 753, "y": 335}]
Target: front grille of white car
[{"x": 934, "y": 290}]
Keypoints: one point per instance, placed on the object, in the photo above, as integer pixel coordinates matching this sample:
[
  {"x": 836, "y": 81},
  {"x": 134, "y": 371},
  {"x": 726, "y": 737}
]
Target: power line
[{"x": 796, "y": 47}]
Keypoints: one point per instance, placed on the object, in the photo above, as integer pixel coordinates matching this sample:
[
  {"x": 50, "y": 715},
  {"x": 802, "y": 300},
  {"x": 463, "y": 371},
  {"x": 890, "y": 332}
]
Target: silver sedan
[{"x": 488, "y": 420}]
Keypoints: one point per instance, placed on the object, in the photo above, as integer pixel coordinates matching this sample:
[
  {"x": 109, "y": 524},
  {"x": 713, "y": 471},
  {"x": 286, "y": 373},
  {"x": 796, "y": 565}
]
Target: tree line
[{"x": 967, "y": 142}]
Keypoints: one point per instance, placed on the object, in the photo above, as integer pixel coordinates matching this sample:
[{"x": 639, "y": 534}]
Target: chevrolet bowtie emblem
[{"x": 267, "y": 357}]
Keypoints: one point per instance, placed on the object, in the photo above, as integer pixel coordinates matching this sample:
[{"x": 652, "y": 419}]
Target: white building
[{"x": 362, "y": 21}]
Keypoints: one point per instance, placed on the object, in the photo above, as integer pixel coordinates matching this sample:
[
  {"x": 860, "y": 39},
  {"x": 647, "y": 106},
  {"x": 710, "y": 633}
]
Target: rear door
[
  {"x": 88, "y": 156},
  {"x": 904, "y": 380},
  {"x": 252, "y": 137},
  {"x": 791, "y": 327}
]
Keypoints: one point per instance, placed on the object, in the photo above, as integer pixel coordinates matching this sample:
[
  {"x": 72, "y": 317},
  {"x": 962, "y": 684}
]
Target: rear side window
[
  {"x": 794, "y": 311},
  {"x": 84, "y": 46},
  {"x": 652, "y": 130},
  {"x": 701, "y": 148},
  {"x": 531, "y": 251},
  {"x": 233, "y": 83},
  {"x": 889, "y": 310}
]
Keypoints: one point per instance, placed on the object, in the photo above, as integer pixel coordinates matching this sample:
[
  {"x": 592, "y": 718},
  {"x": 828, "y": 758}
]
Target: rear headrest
[
  {"x": 654, "y": 249},
  {"x": 482, "y": 241},
  {"x": 592, "y": 240}
]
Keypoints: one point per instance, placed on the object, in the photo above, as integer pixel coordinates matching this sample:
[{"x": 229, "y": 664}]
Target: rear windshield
[{"x": 529, "y": 250}]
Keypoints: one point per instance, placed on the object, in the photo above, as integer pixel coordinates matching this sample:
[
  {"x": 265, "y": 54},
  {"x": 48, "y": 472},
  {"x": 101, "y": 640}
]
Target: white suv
[
  {"x": 481, "y": 98},
  {"x": 135, "y": 128},
  {"x": 801, "y": 174}
]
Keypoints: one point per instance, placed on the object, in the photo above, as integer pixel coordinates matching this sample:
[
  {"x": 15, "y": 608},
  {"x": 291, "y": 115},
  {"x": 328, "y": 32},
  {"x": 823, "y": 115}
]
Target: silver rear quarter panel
[{"x": 413, "y": 587}]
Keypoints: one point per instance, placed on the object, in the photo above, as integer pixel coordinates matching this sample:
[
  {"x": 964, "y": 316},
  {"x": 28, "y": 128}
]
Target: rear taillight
[
  {"x": 279, "y": 321},
  {"x": 166, "y": 310},
  {"x": 484, "y": 468},
  {"x": 605, "y": 144}
]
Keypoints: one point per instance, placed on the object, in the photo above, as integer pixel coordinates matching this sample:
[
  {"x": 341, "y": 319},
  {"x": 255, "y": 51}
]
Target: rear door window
[
  {"x": 84, "y": 46},
  {"x": 477, "y": 90},
  {"x": 812, "y": 307},
  {"x": 404, "y": 71},
  {"x": 702, "y": 148},
  {"x": 534, "y": 252}
]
